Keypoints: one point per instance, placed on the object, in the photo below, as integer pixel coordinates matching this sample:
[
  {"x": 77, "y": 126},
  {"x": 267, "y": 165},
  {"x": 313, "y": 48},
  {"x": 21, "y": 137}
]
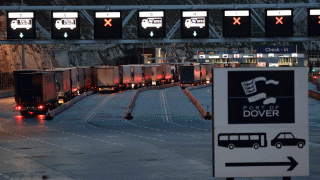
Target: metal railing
[{"x": 6, "y": 81}]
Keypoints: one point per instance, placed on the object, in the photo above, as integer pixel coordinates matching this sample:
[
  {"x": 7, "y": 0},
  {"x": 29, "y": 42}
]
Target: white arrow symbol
[
  {"x": 21, "y": 35},
  {"x": 65, "y": 35},
  {"x": 151, "y": 34},
  {"x": 195, "y": 33}
]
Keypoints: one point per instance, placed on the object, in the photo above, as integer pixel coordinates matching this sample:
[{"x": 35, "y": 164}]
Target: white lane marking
[
  {"x": 86, "y": 120},
  {"x": 166, "y": 101},
  {"x": 165, "y": 109}
]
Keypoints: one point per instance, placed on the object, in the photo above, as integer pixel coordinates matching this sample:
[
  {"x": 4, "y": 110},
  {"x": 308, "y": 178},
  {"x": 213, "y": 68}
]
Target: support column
[{"x": 23, "y": 57}]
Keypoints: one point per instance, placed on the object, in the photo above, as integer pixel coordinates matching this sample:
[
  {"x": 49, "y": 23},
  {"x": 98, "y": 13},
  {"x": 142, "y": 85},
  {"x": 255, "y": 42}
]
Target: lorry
[
  {"x": 146, "y": 75},
  {"x": 74, "y": 82},
  {"x": 189, "y": 74},
  {"x": 209, "y": 67},
  {"x": 94, "y": 80},
  {"x": 202, "y": 73},
  {"x": 156, "y": 74},
  {"x": 108, "y": 78},
  {"x": 87, "y": 77},
  {"x": 132, "y": 76},
  {"x": 166, "y": 73},
  {"x": 81, "y": 80},
  {"x": 35, "y": 92},
  {"x": 63, "y": 85}
]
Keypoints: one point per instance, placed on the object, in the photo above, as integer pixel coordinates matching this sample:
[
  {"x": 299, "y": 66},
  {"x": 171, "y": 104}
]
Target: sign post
[{"x": 260, "y": 122}]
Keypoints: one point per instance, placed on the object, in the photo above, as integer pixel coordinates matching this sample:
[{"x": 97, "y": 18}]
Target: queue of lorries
[{"x": 36, "y": 91}]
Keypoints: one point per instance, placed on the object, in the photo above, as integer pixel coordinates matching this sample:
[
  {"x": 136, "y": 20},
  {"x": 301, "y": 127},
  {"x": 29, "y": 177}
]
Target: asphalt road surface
[{"x": 166, "y": 139}]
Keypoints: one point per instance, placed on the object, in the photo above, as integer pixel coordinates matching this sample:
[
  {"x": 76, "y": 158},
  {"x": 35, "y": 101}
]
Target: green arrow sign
[
  {"x": 21, "y": 35},
  {"x": 151, "y": 34},
  {"x": 65, "y": 35},
  {"x": 194, "y": 33}
]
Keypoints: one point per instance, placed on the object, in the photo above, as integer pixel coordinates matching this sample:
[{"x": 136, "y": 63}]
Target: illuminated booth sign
[
  {"x": 313, "y": 22},
  {"x": 65, "y": 25},
  {"x": 108, "y": 25},
  {"x": 194, "y": 24},
  {"x": 151, "y": 24},
  {"x": 21, "y": 25},
  {"x": 279, "y": 23},
  {"x": 236, "y": 23}
]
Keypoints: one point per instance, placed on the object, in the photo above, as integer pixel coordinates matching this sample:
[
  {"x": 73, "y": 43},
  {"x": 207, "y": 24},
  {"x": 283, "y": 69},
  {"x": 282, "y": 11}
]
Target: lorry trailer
[
  {"x": 166, "y": 73},
  {"x": 202, "y": 73},
  {"x": 132, "y": 76},
  {"x": 189, "y": 74},
  {"x": 108, "y": 78},
  {"x": 86, "y": 78},
  {"x": 35, "y": 92},
  {"x": 156, "y": 73},
  {"x": 146, "y": 75},
  {"x": 62, "y": 82},
  {"x": 208, "y": 72}
]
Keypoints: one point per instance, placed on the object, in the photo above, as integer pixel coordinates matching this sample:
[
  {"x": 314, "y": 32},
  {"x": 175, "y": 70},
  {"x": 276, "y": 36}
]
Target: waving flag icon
[{"x": 249, "y": 87}]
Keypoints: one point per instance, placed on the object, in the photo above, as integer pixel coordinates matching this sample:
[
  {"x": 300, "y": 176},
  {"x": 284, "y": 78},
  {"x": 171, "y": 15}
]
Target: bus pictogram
[
  {"x": 66, "y": 23},
  {"x": 151, "y": 22},
  {"x": 242, "y": 140},
  {"x": 195, "y": 22},
  {"x": 21, "y": 23}
]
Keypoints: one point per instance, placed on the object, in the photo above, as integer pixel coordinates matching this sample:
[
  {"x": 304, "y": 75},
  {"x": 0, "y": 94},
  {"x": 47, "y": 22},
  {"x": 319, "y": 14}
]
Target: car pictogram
[{"x": 287, "y": 139}]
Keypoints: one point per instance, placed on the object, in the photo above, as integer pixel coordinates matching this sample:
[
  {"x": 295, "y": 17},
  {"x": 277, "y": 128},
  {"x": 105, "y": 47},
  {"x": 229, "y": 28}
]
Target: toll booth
[
  {"x": 285, "y": 61},
  {"x": 314, "y": 58}
]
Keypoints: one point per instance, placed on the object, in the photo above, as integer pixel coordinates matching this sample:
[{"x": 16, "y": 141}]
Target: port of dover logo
[{"x": 260, "y": 97}]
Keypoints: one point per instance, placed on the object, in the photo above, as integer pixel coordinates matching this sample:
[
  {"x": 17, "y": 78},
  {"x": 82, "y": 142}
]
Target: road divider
[
  {"x": 52, "y": 113},
  {"x": 135, "y": 96},
  {"x": 314, "y": 95},
  {"x": 204, "y": 113}
]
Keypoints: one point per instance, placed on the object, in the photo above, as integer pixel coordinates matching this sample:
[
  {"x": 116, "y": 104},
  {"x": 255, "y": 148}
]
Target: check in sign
[{"x": 260, "y": 122}]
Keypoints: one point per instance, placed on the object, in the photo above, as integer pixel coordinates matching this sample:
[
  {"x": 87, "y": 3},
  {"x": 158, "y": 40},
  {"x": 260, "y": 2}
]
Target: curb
[
  {"x": 135, "y": 96},
  {"x": 204, "y": 114},
  {"x": 51, "y": 114}
]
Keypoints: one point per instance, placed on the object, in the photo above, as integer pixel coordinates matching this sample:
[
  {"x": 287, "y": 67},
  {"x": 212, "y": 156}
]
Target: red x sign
[
  {"x": 236, "y": 21},
  {"x": 108, "y": 22},
  {"x": 279, "y": 20}
]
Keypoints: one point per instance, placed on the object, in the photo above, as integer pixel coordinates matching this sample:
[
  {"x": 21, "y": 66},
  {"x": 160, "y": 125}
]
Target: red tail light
[
  {"x": 18, "y": 107},
  {"x": 41, "y": 107},
  {"x": 30, "y": 112},
  {"x": 314, "y": 77}
]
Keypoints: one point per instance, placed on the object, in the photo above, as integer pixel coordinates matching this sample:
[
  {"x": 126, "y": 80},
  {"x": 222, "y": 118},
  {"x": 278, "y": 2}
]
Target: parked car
[{"x": 287, "y": 139}]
